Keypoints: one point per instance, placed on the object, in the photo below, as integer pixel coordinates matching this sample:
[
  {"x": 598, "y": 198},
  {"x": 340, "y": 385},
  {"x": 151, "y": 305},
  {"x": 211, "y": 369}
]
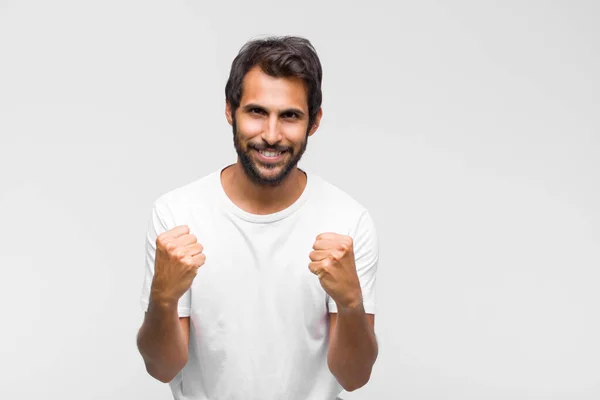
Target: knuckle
[
  {"x": 199, "y": 260},
  {"x": 179, "y": 254},
  {"x": 185, "y": 260},
  {"x": 185, "y": 228}
]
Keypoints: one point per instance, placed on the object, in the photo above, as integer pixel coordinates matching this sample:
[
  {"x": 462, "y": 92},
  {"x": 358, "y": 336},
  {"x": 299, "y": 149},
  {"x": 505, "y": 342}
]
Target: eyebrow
[{"x": 299, "y": 112}]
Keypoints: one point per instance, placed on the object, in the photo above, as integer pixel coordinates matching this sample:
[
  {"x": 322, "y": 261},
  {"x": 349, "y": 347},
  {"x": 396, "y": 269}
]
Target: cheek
[
  {"x": 295, "y": 132},
  {"x": 250, "y": 127}
]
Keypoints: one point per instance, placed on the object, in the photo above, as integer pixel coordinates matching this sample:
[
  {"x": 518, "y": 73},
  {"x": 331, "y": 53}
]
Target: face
[{"x": 270, "y": 127}]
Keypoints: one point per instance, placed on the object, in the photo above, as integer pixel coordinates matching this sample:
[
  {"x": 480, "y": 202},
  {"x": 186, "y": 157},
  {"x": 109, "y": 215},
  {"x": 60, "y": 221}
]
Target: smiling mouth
[
  {"x": 267, "y": 153},
  {"x": 270, "y": 156}
]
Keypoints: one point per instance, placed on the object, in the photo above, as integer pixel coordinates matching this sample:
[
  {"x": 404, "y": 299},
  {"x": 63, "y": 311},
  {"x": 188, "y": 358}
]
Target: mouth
[{"x": 269, "y": 156}]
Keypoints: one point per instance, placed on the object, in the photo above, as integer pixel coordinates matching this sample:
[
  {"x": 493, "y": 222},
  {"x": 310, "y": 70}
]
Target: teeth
[{"x": 270, "y": 153}]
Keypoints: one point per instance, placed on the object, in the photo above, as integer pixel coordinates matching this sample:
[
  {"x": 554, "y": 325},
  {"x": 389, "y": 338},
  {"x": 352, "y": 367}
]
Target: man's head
[{"x": 273, "y": 103}]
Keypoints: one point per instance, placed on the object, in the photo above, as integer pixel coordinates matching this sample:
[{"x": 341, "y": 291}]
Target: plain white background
[{"x": 470, "y": 129}]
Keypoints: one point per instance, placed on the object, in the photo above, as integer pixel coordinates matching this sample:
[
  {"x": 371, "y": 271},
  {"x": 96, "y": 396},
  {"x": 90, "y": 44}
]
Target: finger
[
  {"x": 315, "y": 267},
  {"x": 199, "y": 259},
  {"x": 319, "y": 268},
  {"x": 178, "y": 231},
  {"x": 184, "y": 240},
  {"x": 319, "y": 255},
  {"x": 193, "y": 249},
  {"x": 328, "y": 236},
  {"x": 323, "y": 244}
]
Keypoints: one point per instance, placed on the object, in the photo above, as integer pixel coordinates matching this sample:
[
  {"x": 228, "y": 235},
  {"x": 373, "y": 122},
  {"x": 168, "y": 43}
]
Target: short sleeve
[
  {"x": 366, "y": 257},
  {"x": 157, "y": 224}
]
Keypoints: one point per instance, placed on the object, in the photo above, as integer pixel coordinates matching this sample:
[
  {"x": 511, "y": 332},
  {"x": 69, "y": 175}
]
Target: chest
[{"x": 256, "y": 278}]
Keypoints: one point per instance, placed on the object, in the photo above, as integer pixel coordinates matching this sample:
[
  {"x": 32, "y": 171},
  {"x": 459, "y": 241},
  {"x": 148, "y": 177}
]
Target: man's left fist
[{"x": 332, "y": 260}]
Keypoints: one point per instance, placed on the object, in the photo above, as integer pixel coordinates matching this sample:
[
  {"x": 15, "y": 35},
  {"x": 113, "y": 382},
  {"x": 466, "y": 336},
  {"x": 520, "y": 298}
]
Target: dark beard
[{"x": 253, "y": 173}]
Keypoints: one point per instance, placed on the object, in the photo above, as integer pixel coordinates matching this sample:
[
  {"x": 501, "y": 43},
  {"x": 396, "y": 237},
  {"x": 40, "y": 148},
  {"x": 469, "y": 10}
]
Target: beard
[{"x": 253, "y": 171}]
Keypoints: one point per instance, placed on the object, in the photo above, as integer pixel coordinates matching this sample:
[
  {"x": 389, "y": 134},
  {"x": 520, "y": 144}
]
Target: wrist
[
  {"x": 163, "y": 302},
  {"x": 352, "y": 306}
]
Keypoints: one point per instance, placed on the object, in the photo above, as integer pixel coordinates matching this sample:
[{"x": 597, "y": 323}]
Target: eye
[
  {"x": 290, "y": 115},
  {"x": 257, "y": 110}
]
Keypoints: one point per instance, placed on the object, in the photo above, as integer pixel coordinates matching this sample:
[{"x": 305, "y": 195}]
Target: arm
[
  {"x": 163, "y": 341},
  {"x": 172, "y": 261},
  {"x": 346, "y": 267},
  {"x": 352, "y": 346}
]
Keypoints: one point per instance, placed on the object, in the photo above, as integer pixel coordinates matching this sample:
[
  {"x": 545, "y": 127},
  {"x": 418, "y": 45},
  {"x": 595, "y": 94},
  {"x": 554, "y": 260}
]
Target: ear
[
  {"x": 228, "y": 113},
  {"x": 315, "y": 126}
]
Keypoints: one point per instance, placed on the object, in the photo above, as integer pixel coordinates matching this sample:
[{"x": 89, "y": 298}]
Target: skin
[
  {"x": 273, "y": 115},
  {"x": 163, "y": 338}
]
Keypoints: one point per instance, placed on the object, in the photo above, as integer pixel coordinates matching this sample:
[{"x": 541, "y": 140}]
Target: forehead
[{"x": 273, "y": 92}]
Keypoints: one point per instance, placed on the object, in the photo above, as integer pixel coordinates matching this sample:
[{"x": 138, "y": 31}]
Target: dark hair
[{"x": 283, "y": 56}]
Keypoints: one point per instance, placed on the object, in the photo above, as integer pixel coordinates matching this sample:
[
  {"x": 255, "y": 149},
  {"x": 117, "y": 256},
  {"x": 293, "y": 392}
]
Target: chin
[
  {"x": 263, "y": 175},
  {"x": 277, "y": 175}
]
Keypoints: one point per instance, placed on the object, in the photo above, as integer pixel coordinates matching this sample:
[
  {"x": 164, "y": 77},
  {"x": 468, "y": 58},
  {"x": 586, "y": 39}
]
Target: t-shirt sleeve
[
  {"x": 366, "y": 257},
  {"x": 157, "y": 224}
]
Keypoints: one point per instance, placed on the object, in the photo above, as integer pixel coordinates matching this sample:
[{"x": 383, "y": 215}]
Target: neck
[{"x": 261, "y": 199}]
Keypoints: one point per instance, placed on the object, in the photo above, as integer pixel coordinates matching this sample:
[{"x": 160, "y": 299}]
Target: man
[{"x": 260, "y": 276}]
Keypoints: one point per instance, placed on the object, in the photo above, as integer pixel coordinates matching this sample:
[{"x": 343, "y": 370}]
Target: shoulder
[
  {"x": 334, "y": 199},
  {"x": 192, "y": 194}
]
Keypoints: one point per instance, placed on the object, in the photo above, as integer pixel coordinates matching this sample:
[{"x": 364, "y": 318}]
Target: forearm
[
  {"x": 161, "y": 341},
  {"x": 353, "y": 348}
]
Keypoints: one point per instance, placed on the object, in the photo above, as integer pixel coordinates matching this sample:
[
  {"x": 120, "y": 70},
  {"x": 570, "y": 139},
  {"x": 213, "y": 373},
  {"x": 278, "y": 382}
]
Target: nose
[{"x": 271, "y": 132}]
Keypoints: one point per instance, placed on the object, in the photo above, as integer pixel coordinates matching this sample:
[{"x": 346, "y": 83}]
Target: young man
[{"x": 260, "y": 276}]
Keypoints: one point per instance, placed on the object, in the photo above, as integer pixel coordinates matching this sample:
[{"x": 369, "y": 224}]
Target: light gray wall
[{"x": 470, "y": 130}]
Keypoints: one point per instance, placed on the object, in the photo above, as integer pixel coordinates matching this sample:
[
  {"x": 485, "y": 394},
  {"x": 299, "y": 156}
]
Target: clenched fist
[
  {"x": 332, "y": 260},
  {"x": 178, "y": 257}
]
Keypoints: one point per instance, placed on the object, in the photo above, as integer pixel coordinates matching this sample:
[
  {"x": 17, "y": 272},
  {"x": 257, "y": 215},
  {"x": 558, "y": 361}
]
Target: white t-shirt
[{"x": 259, "y": 318}]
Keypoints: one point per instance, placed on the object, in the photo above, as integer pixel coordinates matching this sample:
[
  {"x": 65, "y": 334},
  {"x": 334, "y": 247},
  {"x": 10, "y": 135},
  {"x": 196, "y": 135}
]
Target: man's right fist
[{"x": 178, "y": 257}]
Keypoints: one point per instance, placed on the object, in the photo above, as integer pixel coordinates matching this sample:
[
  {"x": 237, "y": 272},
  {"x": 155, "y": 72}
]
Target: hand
[
  {"x": 178, "y": 257},
  {"x": 333, "y": 262}
]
